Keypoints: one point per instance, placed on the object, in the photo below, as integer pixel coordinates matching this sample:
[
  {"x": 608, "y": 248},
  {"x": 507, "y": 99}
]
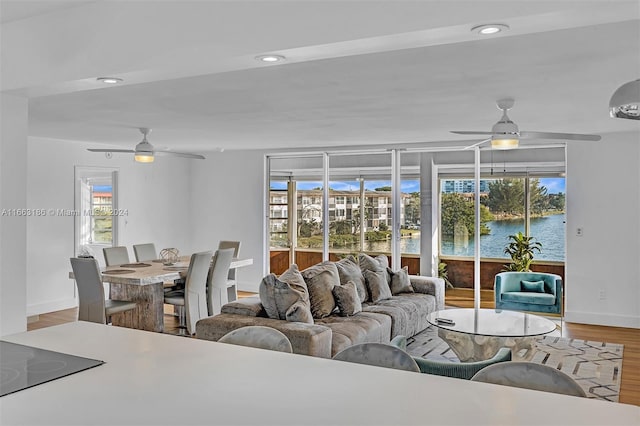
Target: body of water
[{"x": 548, "y": 230}]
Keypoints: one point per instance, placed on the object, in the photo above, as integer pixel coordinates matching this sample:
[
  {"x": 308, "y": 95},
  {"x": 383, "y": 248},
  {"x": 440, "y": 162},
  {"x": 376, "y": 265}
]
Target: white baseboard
[
  {"x": 602, "y": 319},
  {"x": 52, "y": 306}
]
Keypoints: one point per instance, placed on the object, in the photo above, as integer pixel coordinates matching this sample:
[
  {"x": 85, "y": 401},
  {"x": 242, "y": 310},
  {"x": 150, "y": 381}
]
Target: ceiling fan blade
[
  {"x": 470, "y": 132},
  {"x": 566, "y": 136},
  {"x": 109, "y": 150},
  {"x": 477, "y": 143},
  {"x": 180, "y": 154}
]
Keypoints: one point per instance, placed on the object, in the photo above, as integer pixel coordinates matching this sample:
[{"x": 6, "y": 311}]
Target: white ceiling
[{"x": 399, "y": 84}]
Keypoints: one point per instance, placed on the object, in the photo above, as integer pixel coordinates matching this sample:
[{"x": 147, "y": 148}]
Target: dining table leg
[{"x": 149, "y": 314}]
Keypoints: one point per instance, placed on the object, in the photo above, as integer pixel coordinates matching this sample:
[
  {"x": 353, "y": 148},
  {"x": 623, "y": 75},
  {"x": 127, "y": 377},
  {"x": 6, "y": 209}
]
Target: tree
[
  {"x": 538, "y": 196},
  {"x": 412, "y": 209},
  {"x": 506, "y": 196},
  {"x": 456, "y": 209},
  {"x": 383, "y": 188}
]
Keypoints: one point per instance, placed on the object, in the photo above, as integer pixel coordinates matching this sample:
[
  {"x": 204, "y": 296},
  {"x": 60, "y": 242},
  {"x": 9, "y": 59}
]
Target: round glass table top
[{"x": 492, "y": 322}]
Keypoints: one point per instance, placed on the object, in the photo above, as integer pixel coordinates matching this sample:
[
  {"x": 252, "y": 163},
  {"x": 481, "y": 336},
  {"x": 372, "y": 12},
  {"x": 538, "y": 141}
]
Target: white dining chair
[
  {"x": 232, "y": 281},
  {"x": 145, "y": 252},
  {"x": 193, "y": 298},
  {"x": 217, "y": 281},
  {"x": 115, "y": 255},
  {"x": 92, "y": 305}
]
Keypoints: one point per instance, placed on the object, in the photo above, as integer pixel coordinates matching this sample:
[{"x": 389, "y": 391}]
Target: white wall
[
  {"x": 13, "y": 160},
  {"x": 603, "y": 199},
  {"x": 156, "y": 196},
  {"x": 227, "y": 204}
]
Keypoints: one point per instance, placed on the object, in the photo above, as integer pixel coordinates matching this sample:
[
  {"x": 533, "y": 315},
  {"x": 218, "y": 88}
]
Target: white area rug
[{"x": 596, "y": 366}]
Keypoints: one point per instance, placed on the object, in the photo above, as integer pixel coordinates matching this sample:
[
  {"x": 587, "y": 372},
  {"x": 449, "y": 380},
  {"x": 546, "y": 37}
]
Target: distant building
[
  {"x": 343, "y": 206},
  {"x": 463, "y": 186}
]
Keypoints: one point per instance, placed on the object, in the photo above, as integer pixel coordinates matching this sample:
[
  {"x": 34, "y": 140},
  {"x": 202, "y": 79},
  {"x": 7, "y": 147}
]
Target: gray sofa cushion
[
  {"x": 349, "y": 270},
  {"x": 321, "y": 279},
  {"x": 363, "y": 327},
  {"x": 249, "y": 306},
  {"x": 400, "y": 282},
  {"x": 408, "y": 312},
  {"x": 278, "y": 297},
  {"x": 347, "y": 299},
  {"x": 377, "y": 284}
]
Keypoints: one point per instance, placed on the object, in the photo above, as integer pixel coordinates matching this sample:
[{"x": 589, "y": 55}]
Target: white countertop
[{"x": 152, "y": 378}]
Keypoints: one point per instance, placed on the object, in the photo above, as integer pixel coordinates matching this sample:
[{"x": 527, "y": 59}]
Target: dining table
[{"x": 143, "y": 283}]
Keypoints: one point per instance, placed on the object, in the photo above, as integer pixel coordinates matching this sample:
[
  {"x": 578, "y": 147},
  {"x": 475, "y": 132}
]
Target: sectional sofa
[{"x": 332, "y": 305}]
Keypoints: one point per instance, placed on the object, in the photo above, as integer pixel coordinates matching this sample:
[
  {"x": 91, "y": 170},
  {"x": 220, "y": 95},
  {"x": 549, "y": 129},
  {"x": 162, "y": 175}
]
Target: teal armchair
[
  {"x": 460, "y": 370},
  {"x": 528, "y": 291}
]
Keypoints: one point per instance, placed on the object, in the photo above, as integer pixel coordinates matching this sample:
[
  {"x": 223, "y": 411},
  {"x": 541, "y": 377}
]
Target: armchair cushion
[
  {"x": 529, "y": 298},
  {"x": 532, "y": 286}
]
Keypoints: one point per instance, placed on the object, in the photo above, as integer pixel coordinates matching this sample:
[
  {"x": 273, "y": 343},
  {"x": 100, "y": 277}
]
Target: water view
[{"x": 548, "y": 230}]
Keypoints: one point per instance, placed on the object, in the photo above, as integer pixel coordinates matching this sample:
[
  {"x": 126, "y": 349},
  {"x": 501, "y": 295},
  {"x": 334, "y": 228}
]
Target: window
[
  {"x": 96, "y": 199},
  {"x": 503, "y": 212}
]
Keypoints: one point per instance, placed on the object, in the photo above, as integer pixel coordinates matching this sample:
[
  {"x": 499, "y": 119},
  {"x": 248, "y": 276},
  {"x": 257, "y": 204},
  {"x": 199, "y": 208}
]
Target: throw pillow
[
  {"x": 532, "y": 286},
  {"x": 347, "y": 299},
  {"x": 400, "y": 282},
  {"x": 277, "y": 297},
  {"x": 299, "y": 312},
  {"x": 294, "y": 278},
  {"x": 320, "y": 279},
  {"x": 348, "y": 270},
  {"x": 377, "y": 263},
  {"x": 377, "y": 284}
]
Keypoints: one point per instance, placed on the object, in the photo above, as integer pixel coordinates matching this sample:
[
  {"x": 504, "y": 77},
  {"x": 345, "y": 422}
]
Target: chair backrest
[
  {"x": 378, "y": 354},
  {"x": 235, "y": 245},
  {"x": 217, "y": 281},
  {"x": 258, "y": 336},
  {"x": 91, "y": 304},
  {"x": 115, "y": 255},
  {"x": 145, "y": 252},
  {"x": 195, "y": 289},
  {"x": 529, "y": 375}
]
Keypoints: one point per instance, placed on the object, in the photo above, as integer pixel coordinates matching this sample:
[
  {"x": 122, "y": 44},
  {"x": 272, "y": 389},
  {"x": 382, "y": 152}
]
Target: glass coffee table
[{"x": 478, "y": 334}]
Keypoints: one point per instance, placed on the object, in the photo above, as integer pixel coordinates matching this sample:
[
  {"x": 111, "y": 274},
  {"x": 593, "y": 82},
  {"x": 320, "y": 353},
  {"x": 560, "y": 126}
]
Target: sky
[{"x": 553, "y": 185}]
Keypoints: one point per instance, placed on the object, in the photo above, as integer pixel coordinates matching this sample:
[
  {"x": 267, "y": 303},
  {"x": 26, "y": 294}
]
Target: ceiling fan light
[
  {"x": 501, "y": 142},
  {"x": 144, "y": 157},
  {"x": 625, "y": 102}
]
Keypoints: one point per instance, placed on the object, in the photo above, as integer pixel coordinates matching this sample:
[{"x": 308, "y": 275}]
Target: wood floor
[{"x": 629, "y": 337}]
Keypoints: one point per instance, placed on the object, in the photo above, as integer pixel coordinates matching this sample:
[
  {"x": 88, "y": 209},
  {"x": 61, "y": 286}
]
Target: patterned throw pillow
[
  {"x": 320, "y": 279},
  {"x": 377, "y": 284},
  {"x": 348, "y": 270},
  {"x": 347, "y": 299},
  {"x": 400, "y": 282}
]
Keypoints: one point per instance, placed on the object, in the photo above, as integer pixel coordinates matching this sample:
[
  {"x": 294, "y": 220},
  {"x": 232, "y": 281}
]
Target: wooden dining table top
[{"x": 154, "y": 271}]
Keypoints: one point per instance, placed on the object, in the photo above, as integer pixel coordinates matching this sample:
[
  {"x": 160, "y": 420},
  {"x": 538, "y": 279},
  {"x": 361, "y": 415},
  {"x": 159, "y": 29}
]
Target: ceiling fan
[
  {"x": 144, "y": 151},
  {"x": 506, "y": 135}
]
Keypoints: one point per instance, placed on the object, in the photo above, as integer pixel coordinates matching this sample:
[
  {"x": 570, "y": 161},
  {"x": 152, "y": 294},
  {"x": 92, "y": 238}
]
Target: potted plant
[
  {"x": 442, "y": 273},
  {"x": 521, "y": 250}
]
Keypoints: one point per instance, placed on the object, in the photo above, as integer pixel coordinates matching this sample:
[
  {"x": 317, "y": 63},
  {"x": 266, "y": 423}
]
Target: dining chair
[
  {"x": 115, "y": 255},
  {"x": 193, "y": 298},
  {"x": 530, "y": 375},
  {"x": 232, "y": 282},
  {"x": 258, "y": 336},
  {"x": 378, "y": 354},
  {"x": 145, "y": 252},
  {"x": 217, "y": 281},
  {"x": 459, "y": 370},
  {"x": 92, "y": 305}
]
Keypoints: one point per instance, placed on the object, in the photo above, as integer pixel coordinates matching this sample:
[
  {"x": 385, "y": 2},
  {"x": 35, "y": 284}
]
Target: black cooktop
[{"x": 22, "y": 367}]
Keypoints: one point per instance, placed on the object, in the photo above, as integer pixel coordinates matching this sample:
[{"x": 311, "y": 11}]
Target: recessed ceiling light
[
  {"x": 109, "y": 80},
  {"x": 270, "y": 58},
  {"x": 489, "y": 29}
]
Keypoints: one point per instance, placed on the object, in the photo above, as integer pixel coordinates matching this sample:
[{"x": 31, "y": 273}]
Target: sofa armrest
[
  {"x": 249, "y": 306},
  {"x": 429, "y": 285},
  {"x": 306, "y": 339}
]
